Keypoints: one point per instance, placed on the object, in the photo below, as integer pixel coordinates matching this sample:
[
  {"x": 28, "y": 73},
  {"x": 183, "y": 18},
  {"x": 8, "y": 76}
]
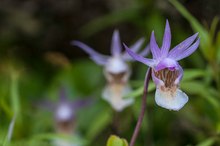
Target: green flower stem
[{"x": 143, "y": 107}]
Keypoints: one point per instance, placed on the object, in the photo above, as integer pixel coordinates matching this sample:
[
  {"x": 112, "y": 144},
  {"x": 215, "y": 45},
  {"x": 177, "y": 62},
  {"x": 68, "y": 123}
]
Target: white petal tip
[
  {"x": 115, "y": 97},
  {"x": 172, "y": 101},
  {"x": 116, "y": 65},
  {"x": 64, "y": 113}
]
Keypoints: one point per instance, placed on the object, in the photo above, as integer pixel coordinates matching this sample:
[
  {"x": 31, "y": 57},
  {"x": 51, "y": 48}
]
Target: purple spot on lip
[{"x": 171, "y": 68}]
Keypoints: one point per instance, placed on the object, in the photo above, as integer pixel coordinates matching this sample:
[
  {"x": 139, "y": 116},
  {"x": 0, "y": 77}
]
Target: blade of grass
[
  {"x": 14, "y": 93},
  {"x": 10, "y": 132}
]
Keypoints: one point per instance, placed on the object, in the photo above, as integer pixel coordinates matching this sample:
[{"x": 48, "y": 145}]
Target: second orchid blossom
[
  {"x": 116, "y": 70},
  {"x": 166, "y": 71}
]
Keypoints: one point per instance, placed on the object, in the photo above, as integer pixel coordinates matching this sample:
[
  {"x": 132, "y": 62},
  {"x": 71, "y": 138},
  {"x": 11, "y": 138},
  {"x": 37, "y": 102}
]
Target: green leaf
[
  {"x": 212, "y": 46},
  {"x": 218, "y": 128},
  {"x": 10, "y": 132},
  {"x": 5, "y": 107},
  {"x": 207, "y": 142},
  {"x": 218, "y": 47},
  {"x": 84, "y": 76},
  {"x": 14, "y": 93},
  {"x": 139, "y": 91},
  {"x": 75, "y": 139},
  {"x": 116, "y": 141},
  {"x": 190, "y": 74},
  {"x": 103, "y": 118},
  {"x": 196, "y": 87},
  {"x": 213, "y": 27}
]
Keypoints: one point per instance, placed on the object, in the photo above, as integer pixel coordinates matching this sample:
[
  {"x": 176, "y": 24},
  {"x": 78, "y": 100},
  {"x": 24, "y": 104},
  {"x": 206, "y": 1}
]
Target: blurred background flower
[
  {"x": 65, "y": 119},
  {"x": 116, "y": 70}
]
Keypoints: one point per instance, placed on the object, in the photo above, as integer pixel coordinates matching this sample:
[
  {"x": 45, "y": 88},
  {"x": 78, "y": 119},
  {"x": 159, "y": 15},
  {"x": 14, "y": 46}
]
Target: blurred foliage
[{"x": 36, "y": 60}]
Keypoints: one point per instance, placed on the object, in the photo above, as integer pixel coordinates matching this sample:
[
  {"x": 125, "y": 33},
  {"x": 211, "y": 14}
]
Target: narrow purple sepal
[
  {"x": 116, "y": 44},
  {"x": 155, "y": 50},
  {"x": 46, "y": 105},
  {"x": 180, "y": 48},
  {"x": 137, "y": 45},
  {"x": 80, "y": 103},
  {"x": 99, "y": 60},
  {"x": 135, "y": 48},
  {"x": 139, "y": 58},
  {"x": 63, "y": 95},
  {"x": 95, "y": 56},
  {"x": 166, "y": 40},
  {"x": 189, "y": 51}
]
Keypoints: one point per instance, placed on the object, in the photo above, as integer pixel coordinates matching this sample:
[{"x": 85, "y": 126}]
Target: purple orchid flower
[
  {"x": 116, "y": 70},
  {"x": 116, "y": 62},
  {"x": 166, "y": 71},
  {"x": 65, "y": 109}
]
